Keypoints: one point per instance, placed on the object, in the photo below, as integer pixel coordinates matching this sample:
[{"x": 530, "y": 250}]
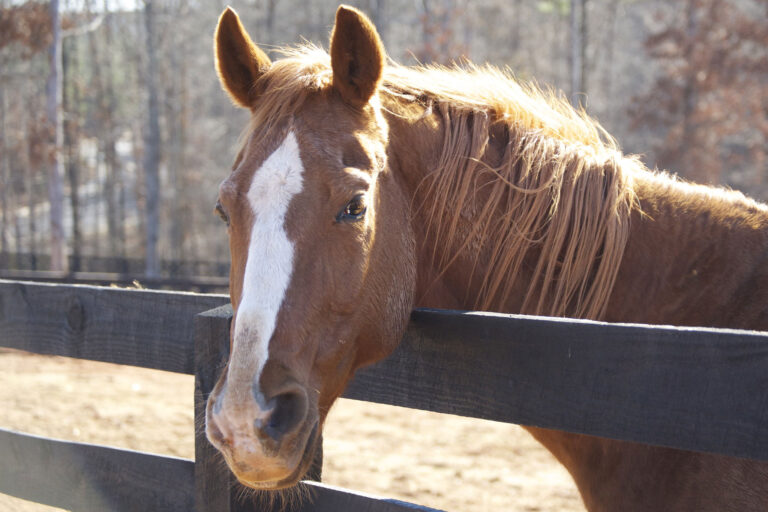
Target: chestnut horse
[{"x": 363, "y": 189}]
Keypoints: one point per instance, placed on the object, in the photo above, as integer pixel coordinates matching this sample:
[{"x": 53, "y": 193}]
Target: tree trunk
[
  {"x": 174, "y": 152},
  {"x": 106, "y": 139},
  {"x": 578, "y": 26},
  {"x": 114, "y": 168},
  {"x": 689, "y": 98},
  {"x": 152, "y": 148},
  {"x": 514, "y": 32},
  {"x": 609, "y": 46},
  {"x": 116, "y": 200},
  {"x": 376, "y": 10},
  {"x": 55, "y": 167},
  {"x": 31, "y": 174},
  {"x": 27, "y": 229},
  {"x": 5, "y": 176},
  {"x": 269, "y": 22},
  {"x": 71, "y": 142},
  {"x": 139, "y": 200},
  {"x": 427, "y": 36},
  {"x": 584, "y": 30}
]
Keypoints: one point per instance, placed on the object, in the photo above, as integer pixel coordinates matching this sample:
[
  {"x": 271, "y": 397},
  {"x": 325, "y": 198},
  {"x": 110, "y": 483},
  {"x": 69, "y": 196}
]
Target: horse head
[{"x": 322, "y": 252}]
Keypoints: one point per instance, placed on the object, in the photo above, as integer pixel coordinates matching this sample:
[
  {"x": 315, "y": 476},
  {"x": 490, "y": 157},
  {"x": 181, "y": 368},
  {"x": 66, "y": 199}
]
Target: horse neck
[
  {"x": 696, "y": 256},
  {"x": 415, "y": 149},
  {"x": 477, "y": 211}
]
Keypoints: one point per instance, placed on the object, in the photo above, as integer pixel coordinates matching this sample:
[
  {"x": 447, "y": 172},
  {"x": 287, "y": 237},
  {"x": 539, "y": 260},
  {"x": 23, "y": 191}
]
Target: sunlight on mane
[
  {"x": 487, "y": 88},
  {"x": 305, "y": 68}
]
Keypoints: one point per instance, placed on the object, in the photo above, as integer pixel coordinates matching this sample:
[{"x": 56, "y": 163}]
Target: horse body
[
  {"x": 364, "y": 190},
  {"x": 695, "y": 256}
]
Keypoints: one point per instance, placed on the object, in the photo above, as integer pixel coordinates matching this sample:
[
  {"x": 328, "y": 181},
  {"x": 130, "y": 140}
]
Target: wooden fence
[
  {"x": 189, "y": 275},
  {"x": 202, "y": 284},
  {"x": 695, "y": 389}
]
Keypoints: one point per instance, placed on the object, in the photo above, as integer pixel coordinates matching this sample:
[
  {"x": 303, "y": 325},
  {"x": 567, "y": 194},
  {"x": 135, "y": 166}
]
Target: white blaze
[{"x": 269, "y": 265}]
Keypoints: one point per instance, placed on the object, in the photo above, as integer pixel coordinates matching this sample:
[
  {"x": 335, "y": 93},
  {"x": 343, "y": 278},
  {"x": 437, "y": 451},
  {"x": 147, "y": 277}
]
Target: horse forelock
[{"x": 282, "y": 91}]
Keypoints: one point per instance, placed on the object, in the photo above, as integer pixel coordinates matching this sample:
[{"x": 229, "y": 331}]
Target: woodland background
[{"x": 114, "y": 133}]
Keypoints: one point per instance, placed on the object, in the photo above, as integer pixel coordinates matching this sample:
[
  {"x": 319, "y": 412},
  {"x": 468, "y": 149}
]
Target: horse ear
[
  {"x": 357, "y": 56},
  {"x": 239, "y": 62}
]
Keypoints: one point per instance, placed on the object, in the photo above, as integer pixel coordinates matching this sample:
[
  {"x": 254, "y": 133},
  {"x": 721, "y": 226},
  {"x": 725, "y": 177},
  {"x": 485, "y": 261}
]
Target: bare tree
[
  {"x": 578, "y": 52},
  {"x": 55, "y": 166},
  {"x": 708, "y": 99},
  {"x": 439, "y": 41},
  {"x": 71, "y": 98},
  {"x": 152, "y": 147},
  {"x": 5, "y": 176},
  {"x": 376, "y": 10}
]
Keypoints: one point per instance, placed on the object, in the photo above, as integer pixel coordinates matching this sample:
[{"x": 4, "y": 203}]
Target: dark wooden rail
[
  {"x": 151, "y": 329},
  {"x": 694, "y": 389},
  {"x": 202, "y": 284},
  {"x": 116, "y": 264},
  {"x": 79, "y": 476}
]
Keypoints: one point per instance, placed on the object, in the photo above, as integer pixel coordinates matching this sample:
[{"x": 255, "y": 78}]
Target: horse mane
[{"x": 554, "y": 207}]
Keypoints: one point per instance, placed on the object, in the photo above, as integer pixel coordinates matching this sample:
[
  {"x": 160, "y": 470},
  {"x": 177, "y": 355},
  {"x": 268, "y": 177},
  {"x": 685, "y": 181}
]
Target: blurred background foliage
[{"x": 114, "y": 133}]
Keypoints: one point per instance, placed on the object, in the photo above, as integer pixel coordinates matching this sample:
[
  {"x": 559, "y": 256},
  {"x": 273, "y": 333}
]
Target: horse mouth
[{"x": 305, "y": 463}]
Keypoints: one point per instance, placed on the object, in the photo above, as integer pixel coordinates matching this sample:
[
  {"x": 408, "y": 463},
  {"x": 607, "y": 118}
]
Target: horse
[{"x": 363, "y": 189}]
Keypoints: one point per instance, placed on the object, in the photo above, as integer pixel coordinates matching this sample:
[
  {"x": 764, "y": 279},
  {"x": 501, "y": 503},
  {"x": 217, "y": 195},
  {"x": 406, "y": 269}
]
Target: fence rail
[
  {"x": 114, "y": 264},
  {"x": 80, "y": 476},
  {"x": 202, "y": 284},
  {"x": 694, "y": 389},
  {"x": 146, "y": 328},
  {"x": 689, "y": 388}
]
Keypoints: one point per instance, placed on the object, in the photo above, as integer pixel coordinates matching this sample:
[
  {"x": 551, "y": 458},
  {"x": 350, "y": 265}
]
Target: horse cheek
[{"x": 393, "y": 298}]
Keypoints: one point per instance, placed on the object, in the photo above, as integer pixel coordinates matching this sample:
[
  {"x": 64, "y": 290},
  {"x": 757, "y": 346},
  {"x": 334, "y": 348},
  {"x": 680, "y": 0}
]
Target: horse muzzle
[{"x": 268, "y": 443}]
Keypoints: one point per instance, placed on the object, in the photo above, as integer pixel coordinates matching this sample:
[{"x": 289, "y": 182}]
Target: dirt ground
[{"x": 446, "y": 462}]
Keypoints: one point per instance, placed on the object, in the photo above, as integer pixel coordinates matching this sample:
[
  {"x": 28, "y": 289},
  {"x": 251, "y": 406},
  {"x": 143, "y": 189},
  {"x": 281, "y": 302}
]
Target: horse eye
[
  {"x": 354, "y": 210},
  {"x": 219, "y": 210}
]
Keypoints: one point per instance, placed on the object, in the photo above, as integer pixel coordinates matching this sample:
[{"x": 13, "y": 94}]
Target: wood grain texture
[
  {"x": 143, "y": 328},
  {"x": 216, "y": 489},
  {"x": 694, "y": 389},
  {"x": 90, "y": 478},
  {"x": 204, "y": 284}
]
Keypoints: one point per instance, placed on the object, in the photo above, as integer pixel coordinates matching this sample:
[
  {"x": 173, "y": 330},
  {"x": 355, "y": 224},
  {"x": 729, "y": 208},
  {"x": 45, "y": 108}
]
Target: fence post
[{"x": 213, "y": 482}]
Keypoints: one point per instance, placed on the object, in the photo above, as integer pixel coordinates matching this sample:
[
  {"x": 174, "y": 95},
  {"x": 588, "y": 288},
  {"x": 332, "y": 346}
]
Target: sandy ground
[{"x": 446, "y": 462}]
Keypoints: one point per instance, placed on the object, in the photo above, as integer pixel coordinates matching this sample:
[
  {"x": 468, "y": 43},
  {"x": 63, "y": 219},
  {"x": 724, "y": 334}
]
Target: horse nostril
[
  {"x": 215, "y": 435},
  {"x": 288, "y": 411}
]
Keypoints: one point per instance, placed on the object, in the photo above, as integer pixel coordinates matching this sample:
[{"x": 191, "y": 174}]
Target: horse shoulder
[{"x": 696, "y": 256}]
